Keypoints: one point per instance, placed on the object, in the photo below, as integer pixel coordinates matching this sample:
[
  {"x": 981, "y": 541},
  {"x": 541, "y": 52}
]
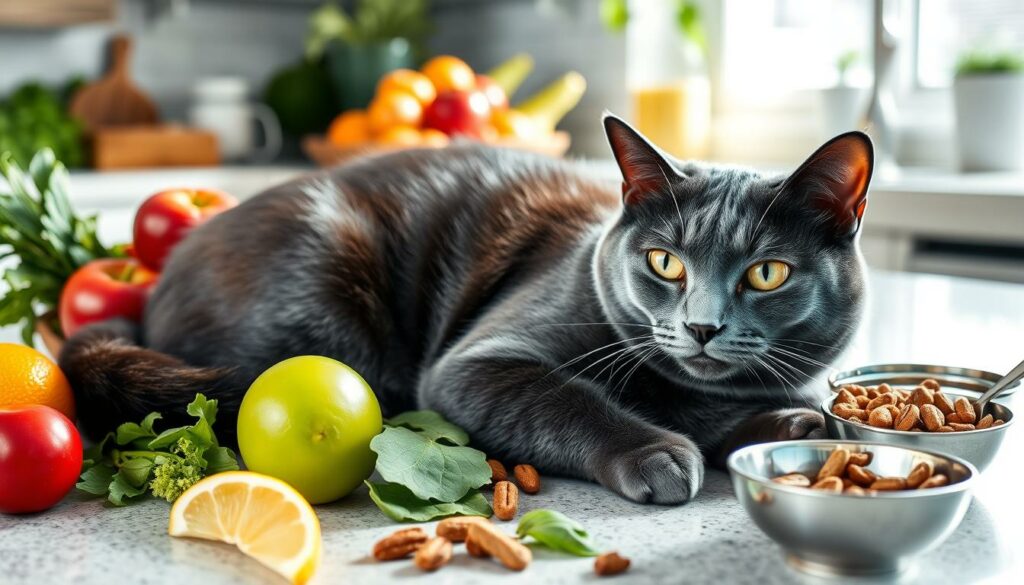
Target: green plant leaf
[
  {"x": 401, "y": 505},
  {"x": 200, "y": 433},
  {"x": 220, "y": 459},
  {"x": 557, "y": 531},
  {"x": 96, "y": 479},
  {"x": 121, "y": 489},
  {"x": 128, "y": 432},
  {"x": 430, "y": 424},
  {"x": 614, "y": 14},
  {"x": 429, "y": 469},
  {"x": 690, "y": 24},
  {"x": 136, "y": 471}
]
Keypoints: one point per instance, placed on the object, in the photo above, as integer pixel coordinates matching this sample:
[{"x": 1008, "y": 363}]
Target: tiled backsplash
[{"x": 253, "y": 39}]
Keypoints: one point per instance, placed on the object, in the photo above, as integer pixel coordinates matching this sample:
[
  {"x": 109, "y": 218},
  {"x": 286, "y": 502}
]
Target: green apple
[{"x": 308, "y": 421}]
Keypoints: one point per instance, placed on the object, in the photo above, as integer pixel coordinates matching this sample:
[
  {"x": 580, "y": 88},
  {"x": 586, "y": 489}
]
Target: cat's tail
[{"x": 116, "y": 380}]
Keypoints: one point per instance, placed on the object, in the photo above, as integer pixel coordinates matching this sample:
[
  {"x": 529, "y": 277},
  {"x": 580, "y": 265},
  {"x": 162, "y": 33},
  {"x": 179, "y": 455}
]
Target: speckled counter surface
[{"x": 916, "y": 319}]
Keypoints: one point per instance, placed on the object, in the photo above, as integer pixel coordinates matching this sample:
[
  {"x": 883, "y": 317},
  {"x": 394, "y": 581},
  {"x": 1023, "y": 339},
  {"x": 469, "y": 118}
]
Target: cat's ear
[
  {"x": 835, "y": 180},
  {"x": 644, "y": 170}
]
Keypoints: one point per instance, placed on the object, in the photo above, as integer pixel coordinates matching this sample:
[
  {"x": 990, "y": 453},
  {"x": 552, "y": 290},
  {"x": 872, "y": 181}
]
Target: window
[{"x": 945, "y": 28}]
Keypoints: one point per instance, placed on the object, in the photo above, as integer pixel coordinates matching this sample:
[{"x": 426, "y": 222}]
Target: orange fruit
[
  {"x": 409, "y": 81},
  {"x": 433, "y": 137},
  {"x": 351, "y": 127},
  {"x": 29, "y": 377},
  {"x": 449, "y": 73},
  {"x": 400, "y": 136},
  {"x": 394, "y": 108}
]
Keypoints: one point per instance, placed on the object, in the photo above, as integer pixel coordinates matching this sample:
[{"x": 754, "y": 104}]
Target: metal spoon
[{"x": 1015, "y": 374}]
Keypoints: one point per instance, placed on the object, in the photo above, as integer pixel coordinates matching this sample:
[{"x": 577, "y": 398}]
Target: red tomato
[
  {"x": 495, "y": 94},
  {"x": 164, "y": 219},
  {"x": 40, "y": 458},
  {"x": 459, "y": 112},
  {"x": 103, "y": 289}
]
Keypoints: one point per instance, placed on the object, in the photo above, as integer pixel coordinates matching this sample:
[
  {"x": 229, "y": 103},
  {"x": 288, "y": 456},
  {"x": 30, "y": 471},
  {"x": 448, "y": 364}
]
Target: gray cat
[{"x": 619, "y": 337}]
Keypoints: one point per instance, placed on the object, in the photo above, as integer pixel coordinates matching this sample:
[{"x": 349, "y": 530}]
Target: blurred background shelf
[{"x": 54, "y": 13}]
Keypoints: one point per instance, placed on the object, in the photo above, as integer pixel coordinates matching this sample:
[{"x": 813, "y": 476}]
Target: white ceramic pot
[
  {"x": 842, "y": 109},
  {"x": 990, "y": 121},
  {"x": 221, "y": 105}
]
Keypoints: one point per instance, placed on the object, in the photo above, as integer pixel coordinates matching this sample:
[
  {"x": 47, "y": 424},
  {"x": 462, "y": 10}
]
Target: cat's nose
[{"x": 704, "y": 333}]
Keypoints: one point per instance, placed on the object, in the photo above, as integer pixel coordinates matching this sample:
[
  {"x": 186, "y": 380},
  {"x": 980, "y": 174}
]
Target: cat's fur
[{"x": 511, "y": 293}]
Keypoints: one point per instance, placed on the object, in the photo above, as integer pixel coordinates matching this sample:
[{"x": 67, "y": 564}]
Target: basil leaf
[
  {"x": 431, "y": 424},
  {"x": 128, "y": 432},
  {"x": 401, "y": 505},
  {"x": 96, "y": 480},
  {"x": 430, "y": 470},
  {"x": 557, "y": 531},
  {"x": 121, "y": 489}
]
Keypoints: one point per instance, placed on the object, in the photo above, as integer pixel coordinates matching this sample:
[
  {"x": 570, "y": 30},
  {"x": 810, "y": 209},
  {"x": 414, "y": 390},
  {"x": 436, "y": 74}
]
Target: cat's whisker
[
  {"x": 593, "y": 351},
  {"x": 805, "y": 359},
  {"x": 596, "y": 362}
]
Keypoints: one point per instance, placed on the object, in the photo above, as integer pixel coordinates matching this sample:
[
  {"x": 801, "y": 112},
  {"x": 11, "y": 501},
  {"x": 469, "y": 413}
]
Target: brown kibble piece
[
  {"x": 965, "y": 410},
  {"x": 862, "y": 401},
  {"x": 456, "y": 528},
  {"x": 527, "y": 478},
  {"x": 882, "y": 400},
  {"x": 937, "y": 480},
  {"x": 610, "y": 563},
  {"x": 921, "y": 472},
  {"x": 985, "y": 422},
  {"x": 844, "y": 397},
  {"x": 854, "y": 490},
  {"x": 998, "y": 422},
  {"x": 848, "y": 411},
  {"x": 509, "y": 551},
  {"x": 894, "y": 412},
  {"x": 794, "y": 479},
  {"x": 881, "y": 418},
  {"x": 943, "y": 403},
  {"x": 498, "y": 471},
  {"x": 884, "y": 388},
  {"x": 862, "y": 458},
  {"x": 946, "y": 429},
  {"x": 860, "y": 476},
  {"x": 856, "y": 419},
  {"x": 908, "y": 418},
  {"x": 932, "y": 417},
  {"x": 506, "y": 500},
  {"x": 399, "y": 544},
  {"x": 930, "y": 384},
  {"x": 889, "y": 484},
  {"x": 921, "y": 396},
  {"x": 961, "y": 427},
  {"x": 831, "y": 484},
  {"x": 952, "y": 417},
  {"x": 856, "y": 390},
  {"x": 433, "y": 554},
  {"x": 835, "y": 464},
  {"x": 474, "y": 550}
]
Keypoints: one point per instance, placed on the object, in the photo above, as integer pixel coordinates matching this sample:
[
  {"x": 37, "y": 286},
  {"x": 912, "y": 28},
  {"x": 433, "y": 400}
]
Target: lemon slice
[{"x": 264, "y": 517}]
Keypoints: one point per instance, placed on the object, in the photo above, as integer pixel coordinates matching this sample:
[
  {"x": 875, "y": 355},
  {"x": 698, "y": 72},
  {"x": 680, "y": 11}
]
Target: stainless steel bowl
[
  {"x": 827, "y": 533},
  {"x": 978, "y": 447},
  {"x": 910, "y": 375}
]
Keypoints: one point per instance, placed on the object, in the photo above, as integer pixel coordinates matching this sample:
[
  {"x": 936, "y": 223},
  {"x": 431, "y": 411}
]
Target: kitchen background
[{"x": 756, "y": 82}]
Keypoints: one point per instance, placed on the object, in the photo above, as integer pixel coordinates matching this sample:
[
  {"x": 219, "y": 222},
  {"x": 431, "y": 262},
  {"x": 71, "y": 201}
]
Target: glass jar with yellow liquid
[{"x": 667, "y": 77}]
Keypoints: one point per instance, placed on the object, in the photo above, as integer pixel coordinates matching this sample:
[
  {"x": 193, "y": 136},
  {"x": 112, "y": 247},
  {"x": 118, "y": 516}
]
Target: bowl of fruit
[{"x": 446, "y": 100}]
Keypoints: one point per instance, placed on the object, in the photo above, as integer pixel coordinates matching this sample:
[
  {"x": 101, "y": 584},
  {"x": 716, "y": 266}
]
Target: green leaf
[
  {"x": 429, "y": 469},
  {"x": 431, "y": 424},
  {"x": 121, "y": 489},
  {"x": 557, "y": 531},
  {"x": 614, "y": 14},
  {"x": 401, "y": 505},
  {"x": 96, "y": 479},
  {"x": 129, "y": 432},
  {"x": 220, "y": 459},
  {"x": 200, "y": 433},
  {"x": 690, "y": 24},
  {"x": 136, "y": 471}
]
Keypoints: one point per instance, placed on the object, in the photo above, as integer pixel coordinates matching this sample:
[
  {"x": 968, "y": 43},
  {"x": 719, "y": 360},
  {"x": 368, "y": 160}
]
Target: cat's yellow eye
[
  {"x": 666, "y": 265},
  {"x": 767, "y": 275}
]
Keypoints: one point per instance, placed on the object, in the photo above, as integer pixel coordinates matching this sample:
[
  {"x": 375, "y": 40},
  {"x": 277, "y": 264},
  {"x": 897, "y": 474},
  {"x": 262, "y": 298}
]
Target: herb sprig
[{"x": 136, "y": 460}]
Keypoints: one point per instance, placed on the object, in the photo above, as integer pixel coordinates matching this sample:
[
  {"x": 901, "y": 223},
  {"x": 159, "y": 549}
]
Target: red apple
[
  {"x": 459, "y": 112},
  {"x": 104, "y": 289},
  {"x": 40, "y": 458},
  {"x": 164, "y": 219},
  {"x": 495, "y": 94}
]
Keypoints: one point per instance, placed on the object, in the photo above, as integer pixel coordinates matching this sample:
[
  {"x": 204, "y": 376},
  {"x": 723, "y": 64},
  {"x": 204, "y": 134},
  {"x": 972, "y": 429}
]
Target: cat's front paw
[
  {"x": 669, "y": 470},
  {"x": 797, "y": 423}
]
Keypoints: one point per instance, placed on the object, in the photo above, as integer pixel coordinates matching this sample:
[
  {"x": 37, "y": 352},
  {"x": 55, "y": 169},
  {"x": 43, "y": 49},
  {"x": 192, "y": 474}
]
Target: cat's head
[{"x": 730, "y": 278}]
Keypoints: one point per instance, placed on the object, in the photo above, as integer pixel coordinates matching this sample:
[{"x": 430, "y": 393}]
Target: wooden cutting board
[
  {"x": 157, "y": 145},
  {"x": 114, "y": 100}
]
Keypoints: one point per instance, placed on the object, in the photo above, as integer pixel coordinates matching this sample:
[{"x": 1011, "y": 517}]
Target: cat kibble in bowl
[{"x": 924, "y": 415}]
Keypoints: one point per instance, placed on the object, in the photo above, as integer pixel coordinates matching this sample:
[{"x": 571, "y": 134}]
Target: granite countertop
[{"x": 913, "y": 318}]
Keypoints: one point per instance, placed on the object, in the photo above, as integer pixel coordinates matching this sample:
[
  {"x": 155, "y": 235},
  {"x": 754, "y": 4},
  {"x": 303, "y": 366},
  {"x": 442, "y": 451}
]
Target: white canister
[
  {"x": 222, "y": 106},
  {"x": 990, "y": 121}
]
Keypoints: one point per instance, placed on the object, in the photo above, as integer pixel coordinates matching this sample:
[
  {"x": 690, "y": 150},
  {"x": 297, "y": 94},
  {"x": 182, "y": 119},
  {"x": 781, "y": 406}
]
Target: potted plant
[
  {"x": 842, "y": 106},
  {"x": 988, "y": 94},
  {"x": 379, "y": 36}
]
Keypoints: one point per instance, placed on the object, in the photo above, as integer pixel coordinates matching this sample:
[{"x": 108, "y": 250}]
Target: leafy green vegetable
[
  {"x": 34, "y": 117},
  {"x": 557, "y": 531},
  {"x": 431, "y": 425},
  {"x": 372, "y": 21},
  {"x": 401, "y": 505},
  {"x": 429, "y": 469},
  {"x": 39, "y": 227},
  {"x": 135, "y": 460}
]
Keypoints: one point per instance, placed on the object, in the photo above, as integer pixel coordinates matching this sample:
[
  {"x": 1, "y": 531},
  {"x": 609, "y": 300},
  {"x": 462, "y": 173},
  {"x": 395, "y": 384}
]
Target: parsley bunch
[{"x": 134, "y": 460}]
